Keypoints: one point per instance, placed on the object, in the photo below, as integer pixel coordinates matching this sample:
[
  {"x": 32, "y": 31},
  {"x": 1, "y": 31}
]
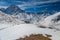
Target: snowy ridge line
[
  {"x": 9, "y": 19},
  {"x": 40, "y": 20},
  {"x": 52, "y": 21}
]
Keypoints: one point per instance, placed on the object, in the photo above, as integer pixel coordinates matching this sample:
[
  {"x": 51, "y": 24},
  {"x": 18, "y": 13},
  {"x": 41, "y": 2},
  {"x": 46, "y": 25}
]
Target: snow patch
[{"x": 18, "y": 31}]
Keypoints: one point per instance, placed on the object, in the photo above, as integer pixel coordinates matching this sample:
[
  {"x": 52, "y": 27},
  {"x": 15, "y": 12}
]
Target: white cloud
[{"x": 3, "y": 6}]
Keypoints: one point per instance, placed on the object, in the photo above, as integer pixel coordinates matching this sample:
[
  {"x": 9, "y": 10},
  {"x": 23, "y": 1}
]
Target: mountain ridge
[
  {"x": 9, "y": 19},
  {"x": 12, "y": 9}
]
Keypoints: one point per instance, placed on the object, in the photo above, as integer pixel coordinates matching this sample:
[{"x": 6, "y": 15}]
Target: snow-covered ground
[
  {"x": 17, "y": 31},
  {"x": 12, "y": 27}
]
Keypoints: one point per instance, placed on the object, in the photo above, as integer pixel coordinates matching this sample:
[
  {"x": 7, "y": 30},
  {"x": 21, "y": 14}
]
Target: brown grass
[{"x": 36, "y": 37}]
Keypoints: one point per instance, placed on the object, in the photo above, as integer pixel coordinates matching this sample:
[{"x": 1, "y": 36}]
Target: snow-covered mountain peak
[{"x": 13, "y": 9}]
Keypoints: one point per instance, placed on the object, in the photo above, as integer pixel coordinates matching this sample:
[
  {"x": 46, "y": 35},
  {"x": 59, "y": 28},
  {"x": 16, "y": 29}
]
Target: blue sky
[{"x": 29, "y": 5}]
